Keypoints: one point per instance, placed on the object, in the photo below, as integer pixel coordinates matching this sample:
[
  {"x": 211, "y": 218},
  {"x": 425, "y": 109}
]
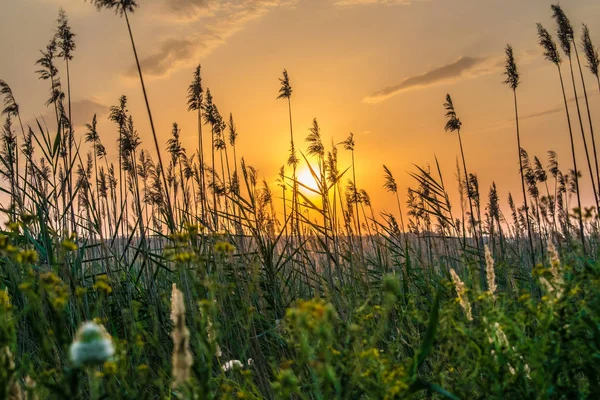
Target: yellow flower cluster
[
  {"x": 26, "y": 256},
  {"x": 224, "y": 248},
  {"x": 102, "y": 285},
  {"x": 311, "y": 315},
  {"x": 57, "y": 292},
  {"x": 5, "y": 300},
  {"x": 68, "y": 245}
]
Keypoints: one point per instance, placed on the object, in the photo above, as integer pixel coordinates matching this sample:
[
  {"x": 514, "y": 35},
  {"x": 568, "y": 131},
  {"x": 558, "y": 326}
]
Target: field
[{"x": 179, "y": 274}]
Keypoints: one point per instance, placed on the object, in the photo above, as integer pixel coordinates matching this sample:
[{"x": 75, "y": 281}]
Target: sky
[{"x": 378, "y": 68}]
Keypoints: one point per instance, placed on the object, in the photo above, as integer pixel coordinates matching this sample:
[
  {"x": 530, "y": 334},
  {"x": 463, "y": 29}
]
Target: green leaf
[
  {"x": 429, "y": 338},
  {"x": 56, "y": 144}
]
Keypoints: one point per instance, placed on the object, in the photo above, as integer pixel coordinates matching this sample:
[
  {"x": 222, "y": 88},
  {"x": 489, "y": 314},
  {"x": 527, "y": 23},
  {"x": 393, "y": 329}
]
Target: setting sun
[{"x": 308, "y": 184}]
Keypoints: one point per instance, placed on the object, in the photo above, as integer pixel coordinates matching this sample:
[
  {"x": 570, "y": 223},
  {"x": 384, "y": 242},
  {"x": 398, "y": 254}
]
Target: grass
[{"x": 182, "y": 280}]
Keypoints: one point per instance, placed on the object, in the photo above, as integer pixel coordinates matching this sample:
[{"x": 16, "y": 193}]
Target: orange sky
[{"x": 378, "y": 68}]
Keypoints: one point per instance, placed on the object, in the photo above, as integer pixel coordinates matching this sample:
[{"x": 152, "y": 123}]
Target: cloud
[
  {"x": 82, "y": 112},
  {"x": 463, "y": 67},
  {"x": 374, "y": 2},
  {"x": 189, "y": 5},
  {"x": 72, "y": 7},
  {"x": 549, "y": 111},
  {"x": 558, "y": 108},
  {"x": 218, "y": 21},
  {"x": 189, "y": 10},
  {"x": 170, "y": 54}
]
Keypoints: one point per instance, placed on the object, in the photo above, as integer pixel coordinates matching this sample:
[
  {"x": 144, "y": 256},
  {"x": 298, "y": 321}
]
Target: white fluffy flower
[
  {"x": 92, "y": 345},
  {"x": 489, "y": 270},
  {"x": 232, "y": 364},
  {"x": 461, "y": 293}
]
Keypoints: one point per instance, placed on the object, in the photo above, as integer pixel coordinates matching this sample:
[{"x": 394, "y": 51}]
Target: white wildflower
[
  {"x": 232, "y": 364},
  {"x": 502, "y": 339},
  {"x": 92, "y": 345}
]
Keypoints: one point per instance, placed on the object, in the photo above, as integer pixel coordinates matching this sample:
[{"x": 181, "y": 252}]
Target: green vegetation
[{"x": 179, "y": 280}]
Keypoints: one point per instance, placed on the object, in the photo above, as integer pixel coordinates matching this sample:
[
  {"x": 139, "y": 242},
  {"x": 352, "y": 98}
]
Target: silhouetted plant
[
  {"x": 551, "y": 54},
  {"x": 349, "y": 145},
  {"x": 453, "y": 124},
  {"x": 591, "y": 53},
  {"x": 210, "y": 117},
  {"x": 118, "y": 115},
  {"x": 11, "y": 108},
  {"x": 195, "y": 103},
  {"x": 124, "y": 8},
  {"x": 285, "y": 92},
  {"x": 593, "y": 60},
  {"x": 512, "y": 80},
  {"x": 93, "y": 138},
  {"x": 234, "y": 184},
  {"x": 566, "y": 37},
  {"x": 66, "y": 44},
  {"x": 176, "y": 150}
]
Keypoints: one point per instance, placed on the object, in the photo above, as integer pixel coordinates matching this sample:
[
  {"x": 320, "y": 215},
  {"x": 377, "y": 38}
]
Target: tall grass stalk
[
  {"x": 566, "y": 38},
  {"x": 551, "y": 54},
  {"x": 512, "y": 80}
]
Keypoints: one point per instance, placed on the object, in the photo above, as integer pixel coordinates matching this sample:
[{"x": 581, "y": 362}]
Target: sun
[{"x": 306, "y": 180}]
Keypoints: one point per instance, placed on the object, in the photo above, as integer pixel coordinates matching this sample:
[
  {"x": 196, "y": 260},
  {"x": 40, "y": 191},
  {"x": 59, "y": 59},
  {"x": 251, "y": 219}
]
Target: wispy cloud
[
  {"x": 465, "y": 67},
  {"x": 216, "y": 22},
  {"x": 83, "y": 111},
  {"x": 189, "y": 10},
  {"x": 549, "y": 111},
  {"x": 73, "y": 7},
  {"x": 188, "y": 5},
  {"x": 558, "y": 108},
  {"x": 374, "y": 2}
]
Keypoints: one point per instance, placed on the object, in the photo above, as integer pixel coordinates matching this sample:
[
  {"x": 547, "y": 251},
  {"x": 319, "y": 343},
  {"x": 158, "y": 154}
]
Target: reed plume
[
  {"x": 182, "y": 359},
  {"x": 461, "y": 294},
  {"x": 490, "y": 271}
]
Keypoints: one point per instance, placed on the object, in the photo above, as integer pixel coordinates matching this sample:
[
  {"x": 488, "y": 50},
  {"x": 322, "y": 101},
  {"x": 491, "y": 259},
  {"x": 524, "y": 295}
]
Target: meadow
[{"x": 181, "y": 274}]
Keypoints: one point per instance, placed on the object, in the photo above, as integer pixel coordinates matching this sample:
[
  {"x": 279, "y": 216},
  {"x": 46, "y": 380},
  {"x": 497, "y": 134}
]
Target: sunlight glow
[{"x": 305, "y": 178}]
